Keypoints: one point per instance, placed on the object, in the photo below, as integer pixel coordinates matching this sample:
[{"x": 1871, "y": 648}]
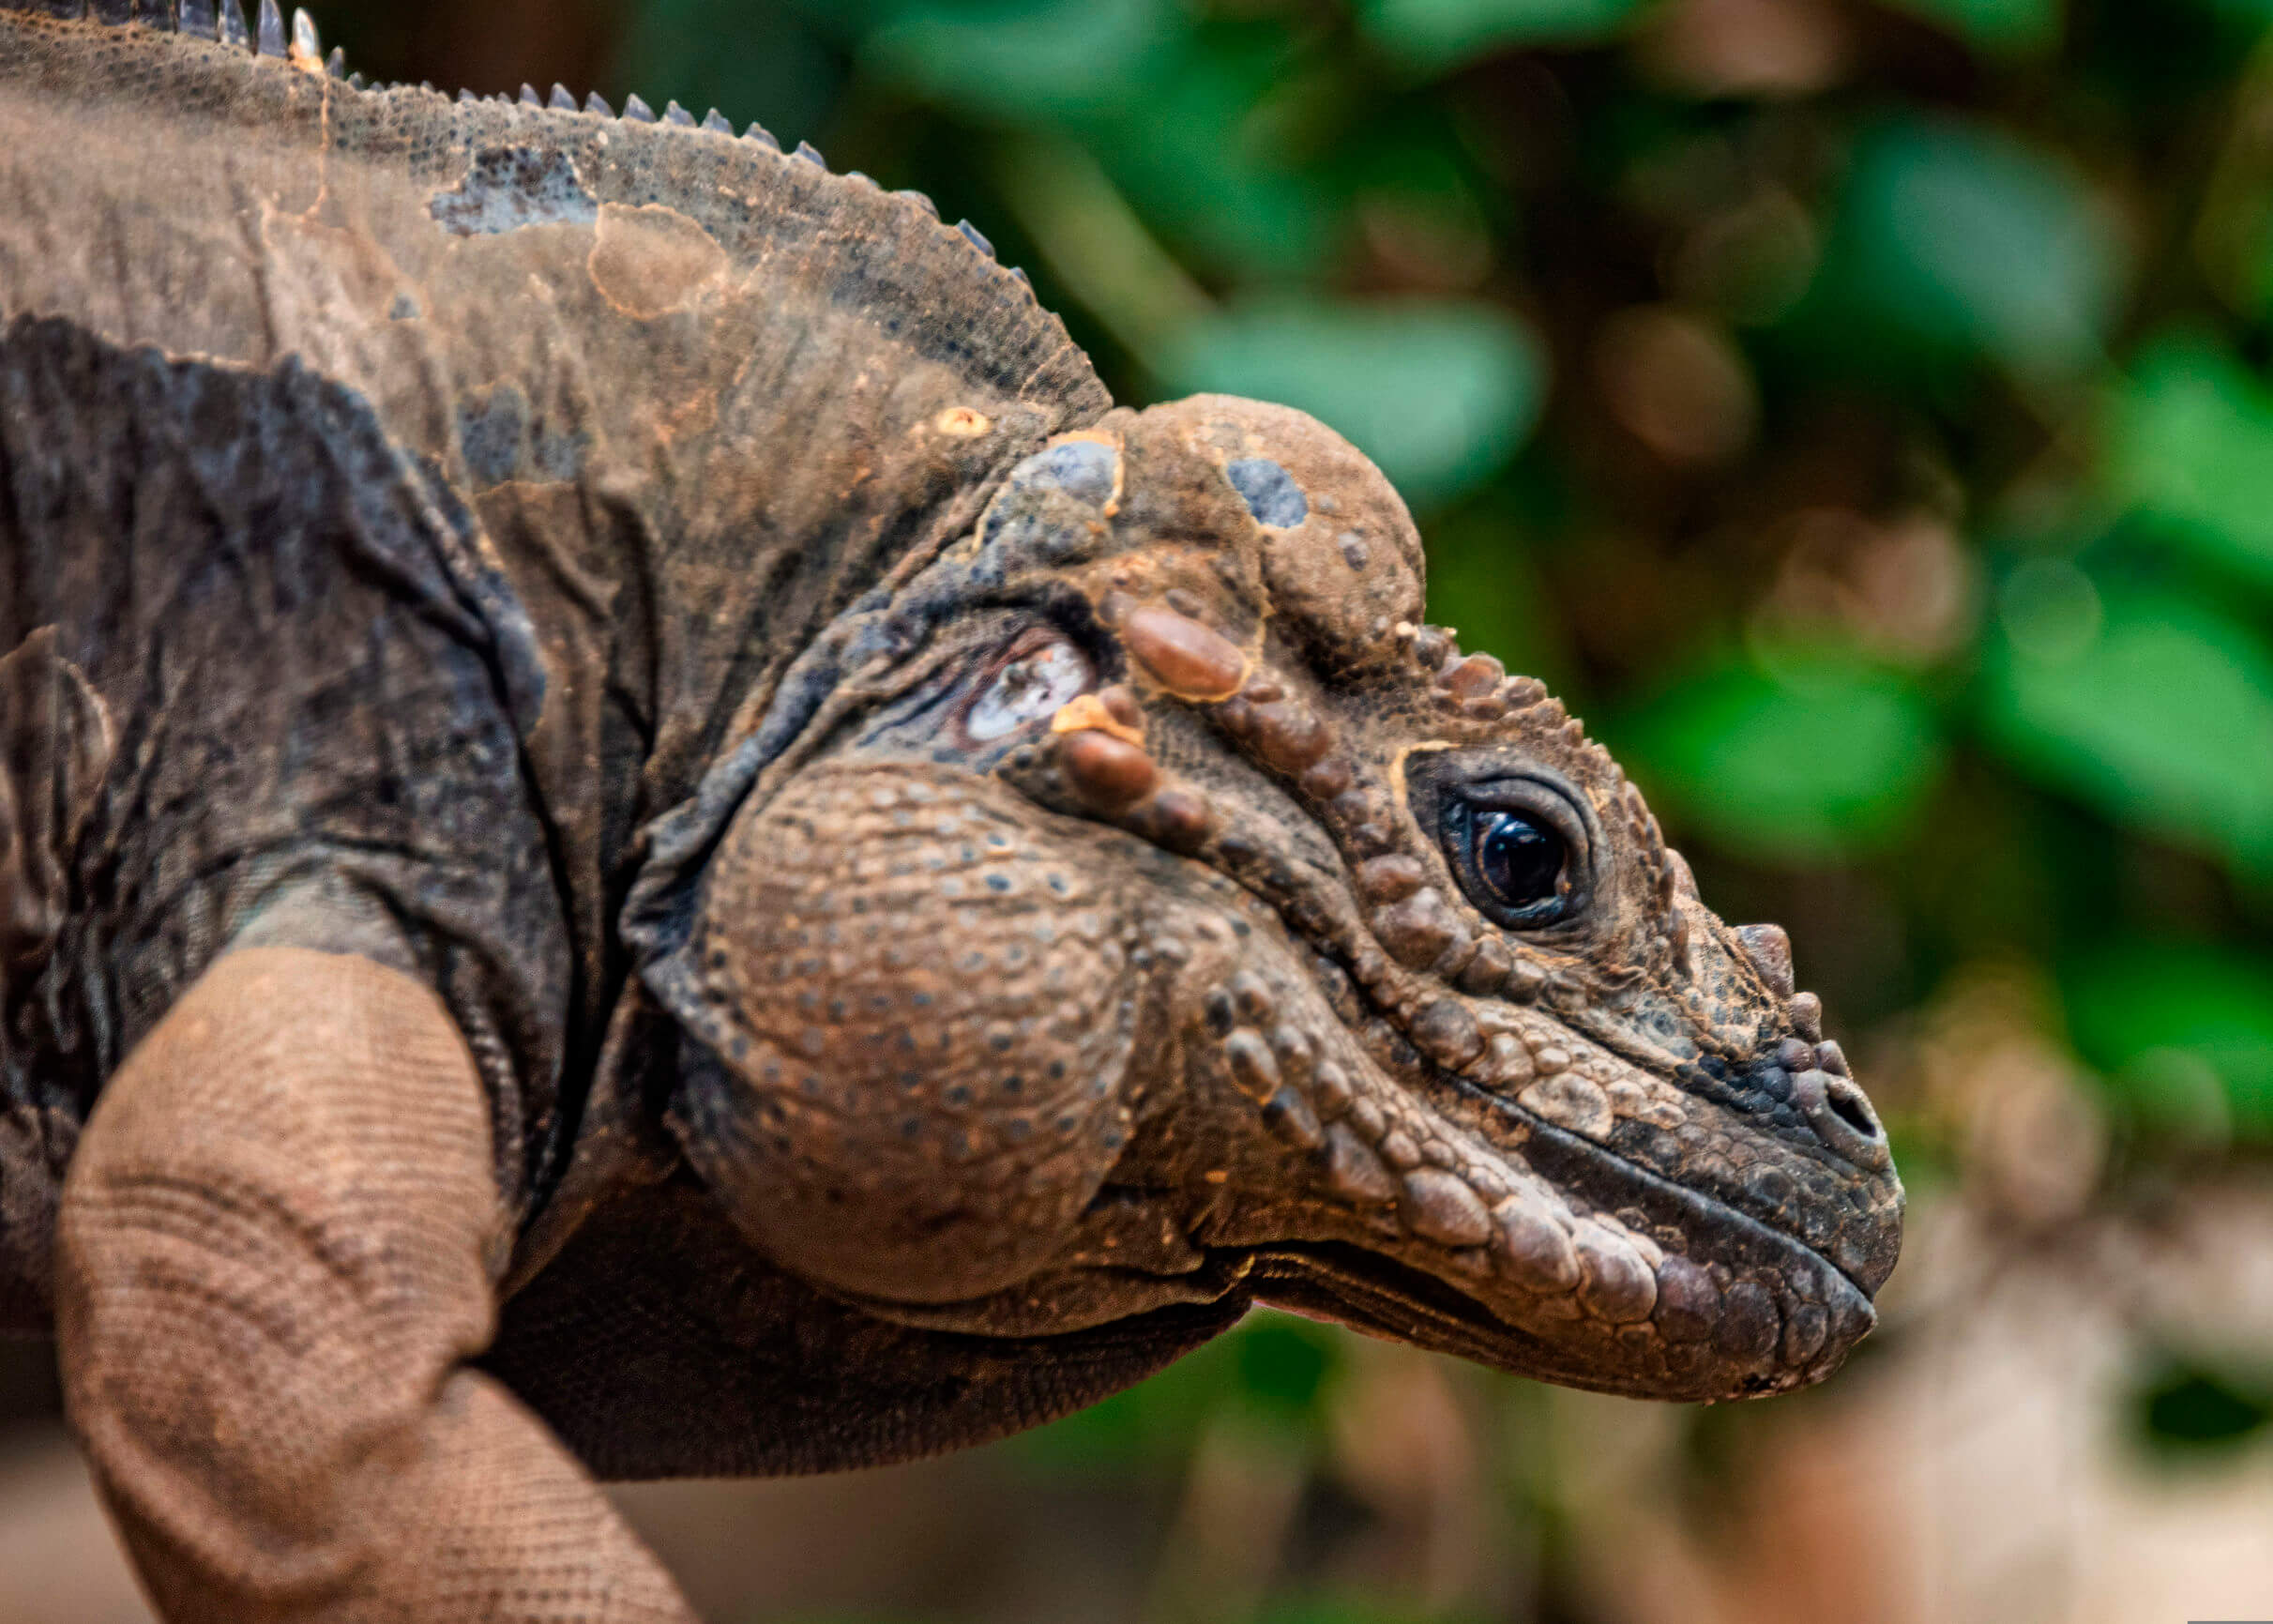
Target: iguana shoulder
[
  {"x": 653, "y": 402},
  {"x": 698, "y": 389}
]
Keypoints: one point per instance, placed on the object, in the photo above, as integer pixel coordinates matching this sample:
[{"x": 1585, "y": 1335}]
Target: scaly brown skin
[
  {"x": 281, "y": 1411},
  {"x": 638, "y": 835},
  {"x": 1175, "y": 977}
]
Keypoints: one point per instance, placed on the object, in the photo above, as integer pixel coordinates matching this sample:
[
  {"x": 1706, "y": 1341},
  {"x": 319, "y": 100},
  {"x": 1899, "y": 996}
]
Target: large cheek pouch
[{"x": 911, "y": 1018}]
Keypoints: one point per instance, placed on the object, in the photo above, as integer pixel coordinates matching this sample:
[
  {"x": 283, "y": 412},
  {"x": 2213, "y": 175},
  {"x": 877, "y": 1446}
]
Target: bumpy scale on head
[
  {"x": 1459, "y": 1055},
  {"x": 1626, "y": 1040}
]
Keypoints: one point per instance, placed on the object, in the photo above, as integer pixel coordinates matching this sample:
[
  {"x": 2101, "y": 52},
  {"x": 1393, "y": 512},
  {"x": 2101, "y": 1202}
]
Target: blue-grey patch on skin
[
  {"x": 553, "y": 455},
  {"x": 491, "y": 430},
  {"x": 1047, "y": 511},
  {"x": 1270, "y": 491},
  {"x": 404, "y": 308},
  {"x": 510, "y": 187},
  {"x": 500, "y": 442},
  {"x": 1080, "y": 468}
]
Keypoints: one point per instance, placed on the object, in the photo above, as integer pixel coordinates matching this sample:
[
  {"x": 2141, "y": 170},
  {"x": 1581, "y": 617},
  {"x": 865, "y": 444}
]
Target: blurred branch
[
  {"x": 1094, "y": 243},
  {"x": 1224, "y": 1547}
]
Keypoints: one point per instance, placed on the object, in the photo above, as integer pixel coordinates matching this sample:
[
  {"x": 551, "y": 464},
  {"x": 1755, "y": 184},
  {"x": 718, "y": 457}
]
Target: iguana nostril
[
  {"x": 1852, "y": 1107},
  {"x": 1841, "y": 1117}
]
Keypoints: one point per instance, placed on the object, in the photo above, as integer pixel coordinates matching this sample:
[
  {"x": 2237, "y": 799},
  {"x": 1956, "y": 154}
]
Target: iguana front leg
[{"x": 275, "y": 1254}]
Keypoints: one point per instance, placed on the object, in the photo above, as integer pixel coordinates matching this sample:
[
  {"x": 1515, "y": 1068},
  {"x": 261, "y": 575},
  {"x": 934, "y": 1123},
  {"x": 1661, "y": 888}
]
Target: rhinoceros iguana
[{"x": 640, "y": 834}]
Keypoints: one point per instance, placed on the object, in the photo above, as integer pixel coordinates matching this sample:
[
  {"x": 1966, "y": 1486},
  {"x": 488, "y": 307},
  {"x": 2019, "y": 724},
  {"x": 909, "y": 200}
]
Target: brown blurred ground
[{"x": 1970, "y": 1472}]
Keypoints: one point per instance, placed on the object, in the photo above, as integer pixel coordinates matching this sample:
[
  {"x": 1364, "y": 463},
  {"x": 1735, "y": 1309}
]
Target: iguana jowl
[{"x": 628, "y": 799}]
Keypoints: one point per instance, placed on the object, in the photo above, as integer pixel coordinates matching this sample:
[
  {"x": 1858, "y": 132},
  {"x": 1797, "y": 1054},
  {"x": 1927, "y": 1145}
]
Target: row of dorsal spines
[
  {"x": 217, "y": 20},
  {"x": 223, "y": 20},
  {"x": 636, "y": 111}
]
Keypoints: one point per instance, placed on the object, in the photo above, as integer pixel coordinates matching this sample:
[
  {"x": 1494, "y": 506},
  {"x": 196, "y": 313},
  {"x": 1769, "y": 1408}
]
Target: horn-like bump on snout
[
  {"x": 1770, "y": 950},
  {"x": 1188, "y": 660}
]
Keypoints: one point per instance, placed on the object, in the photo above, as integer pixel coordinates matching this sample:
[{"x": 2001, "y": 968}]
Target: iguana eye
[
  {"x": 1519, "y": 861},
  {"x": 1043, "y": 672},
  {"x": 1514, "y": 865}
]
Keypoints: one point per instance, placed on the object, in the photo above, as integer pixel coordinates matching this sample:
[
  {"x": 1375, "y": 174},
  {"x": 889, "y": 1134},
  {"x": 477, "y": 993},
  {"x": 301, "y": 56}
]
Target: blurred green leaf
[
  {"x": 2192, "y": 447},
  {"x": 2160, "y": 714},
  {"x": 1483, "y": 583},
  {"x": 1355, "y": 1609},
  {"x": 1969, "y": 242},
  {"x": 1819, "y": 761},
  {"x": 2140, "y": 1012},
  {"x": 1439, "y": 394},
  {"x": 1020, "y": 59},
  {"x": 1283, "y": 1363},
  {"x": 1095, "y": 243},
  {"x": 2185, "y": 1409},
  {"x": 1202, "y": 165},
  {"x": 1440, "y": 34},
  {"x": 1998, "y": 24},
  {"x": 1273, "y": 1370},
  {"x": 671, "y": 51}
]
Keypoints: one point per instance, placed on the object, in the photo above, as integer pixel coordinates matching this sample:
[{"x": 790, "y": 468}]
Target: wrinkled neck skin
[{"x": 1142, "y": 906}]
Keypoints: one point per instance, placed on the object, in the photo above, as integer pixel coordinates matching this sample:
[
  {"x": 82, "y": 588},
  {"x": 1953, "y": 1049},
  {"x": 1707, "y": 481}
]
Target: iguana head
[{"x": 1151, "y": 908}]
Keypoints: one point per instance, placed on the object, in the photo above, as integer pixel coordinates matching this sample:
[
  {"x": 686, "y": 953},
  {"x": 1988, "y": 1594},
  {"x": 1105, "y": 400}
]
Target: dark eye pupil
[{"x": 1518, "y": 860}]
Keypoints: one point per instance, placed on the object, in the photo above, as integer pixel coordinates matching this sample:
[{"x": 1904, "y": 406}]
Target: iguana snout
[{"x": 1164, "y": 910}]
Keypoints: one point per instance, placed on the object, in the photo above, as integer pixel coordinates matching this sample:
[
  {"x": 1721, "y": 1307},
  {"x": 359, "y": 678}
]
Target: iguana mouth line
[
  {"x": 1362, "y": 1283},
  {"x": 1576, "y": 1144},
  {"x": 1381, "y": 1295},
  {"x": 1387, "y": 1293},
  {"x": 1659, "y": 1185}
]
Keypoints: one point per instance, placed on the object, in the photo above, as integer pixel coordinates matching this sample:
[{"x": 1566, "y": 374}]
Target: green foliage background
[{"x": 1859, "y": 413}]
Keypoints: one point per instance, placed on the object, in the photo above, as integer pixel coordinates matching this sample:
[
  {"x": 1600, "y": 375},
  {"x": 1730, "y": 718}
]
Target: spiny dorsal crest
[{"x": 300, "y": 46}]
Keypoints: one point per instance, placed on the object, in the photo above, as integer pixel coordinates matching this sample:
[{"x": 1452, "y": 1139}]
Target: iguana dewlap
[{"x": 639, "y": 834}]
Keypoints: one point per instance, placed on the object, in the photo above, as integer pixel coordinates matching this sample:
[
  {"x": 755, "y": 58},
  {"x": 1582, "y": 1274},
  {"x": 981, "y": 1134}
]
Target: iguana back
[{"x": 665, "y": 401}]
